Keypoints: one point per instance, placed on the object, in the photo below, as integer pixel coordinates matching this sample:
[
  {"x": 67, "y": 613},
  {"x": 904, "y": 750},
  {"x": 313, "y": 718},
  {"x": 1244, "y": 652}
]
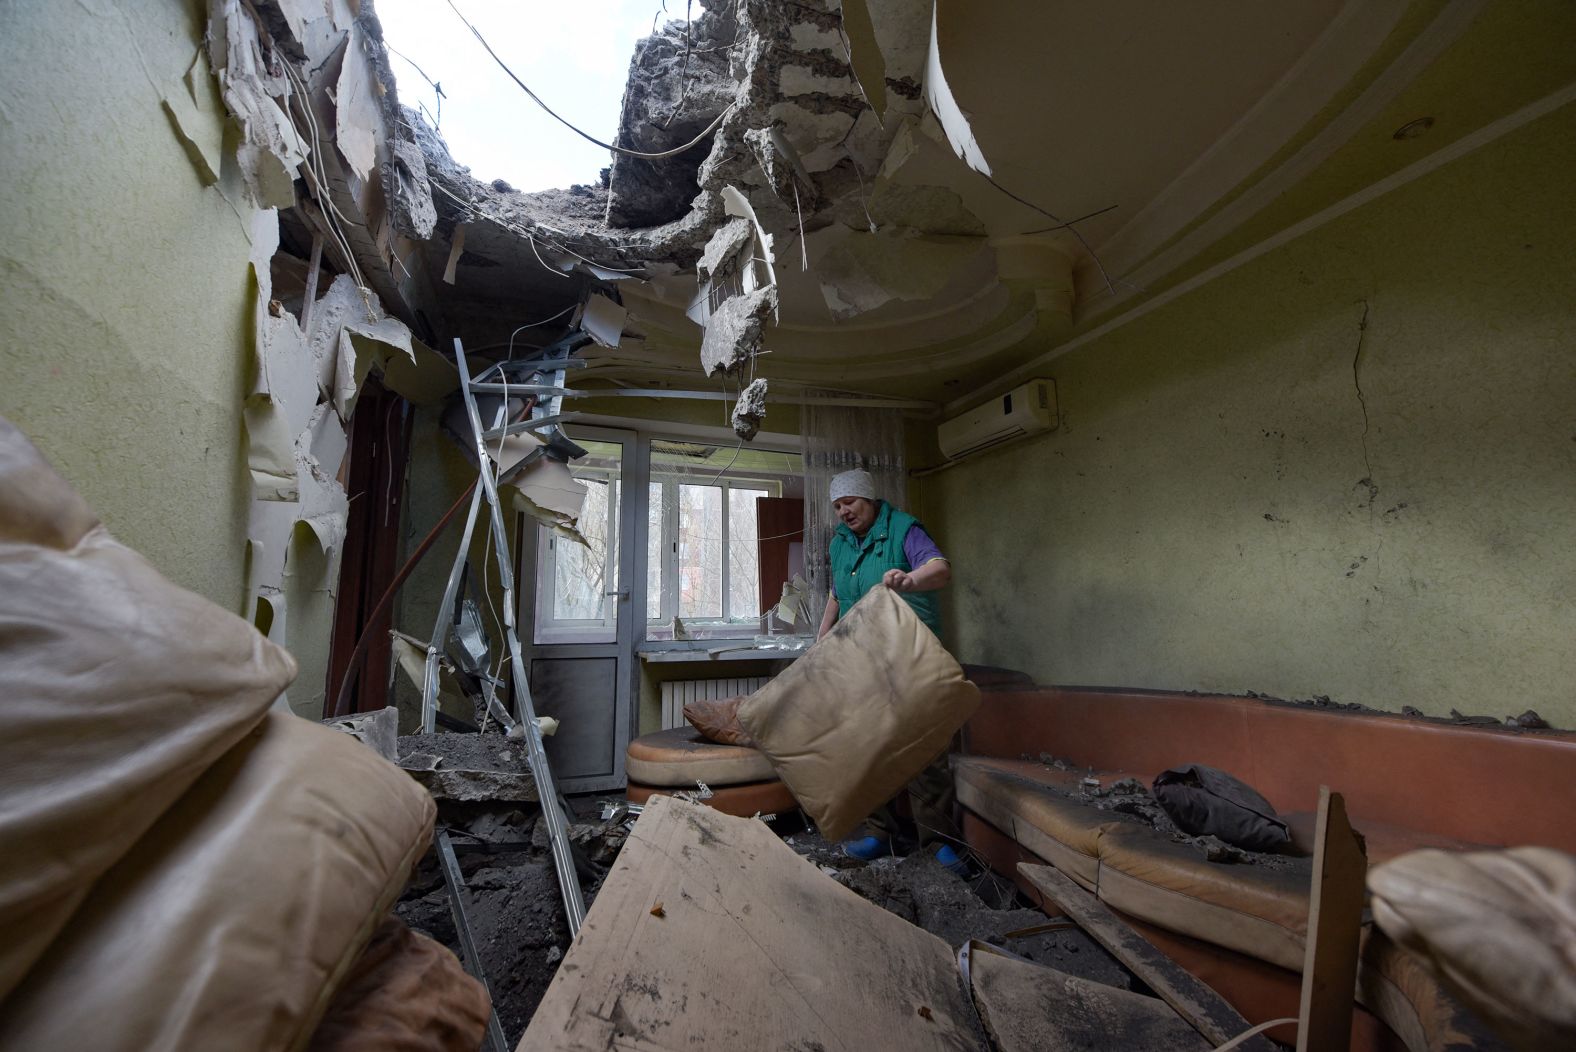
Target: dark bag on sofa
[{"x": 1203, "y": 801}]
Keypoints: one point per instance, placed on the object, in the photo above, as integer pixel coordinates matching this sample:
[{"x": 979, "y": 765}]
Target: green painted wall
[
  {"x": 125, "y": 295},
  {"x": 1238, "y": 500}
]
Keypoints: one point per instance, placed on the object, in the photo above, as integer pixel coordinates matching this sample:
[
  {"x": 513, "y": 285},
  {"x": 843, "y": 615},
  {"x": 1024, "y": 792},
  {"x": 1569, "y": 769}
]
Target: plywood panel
[{"x": 712, "y": 933}]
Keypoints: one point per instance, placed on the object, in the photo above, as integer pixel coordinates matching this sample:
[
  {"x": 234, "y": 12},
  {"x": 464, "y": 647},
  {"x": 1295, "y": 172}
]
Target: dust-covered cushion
[
  {"x": 1203, "y": 801},
  {"x": 1498, "y": 927},
  {"x": 120, "y": 689},
  {"x": 860, "y": 713},
  {"x": 718, "y": 720},
  {"x": 232, "y": 922}
]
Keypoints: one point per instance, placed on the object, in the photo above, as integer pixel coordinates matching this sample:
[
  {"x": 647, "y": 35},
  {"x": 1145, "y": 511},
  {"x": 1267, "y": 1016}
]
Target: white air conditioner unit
[{"x": 1024, "y": 410}]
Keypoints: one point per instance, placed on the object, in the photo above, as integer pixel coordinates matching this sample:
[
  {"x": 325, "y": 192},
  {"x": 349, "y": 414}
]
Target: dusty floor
[{"x": 516, "y": 917}]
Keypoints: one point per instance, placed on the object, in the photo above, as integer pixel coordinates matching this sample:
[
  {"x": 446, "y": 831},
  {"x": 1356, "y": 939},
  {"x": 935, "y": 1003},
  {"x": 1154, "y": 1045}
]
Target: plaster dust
[{"x": 1241, "y": 497}]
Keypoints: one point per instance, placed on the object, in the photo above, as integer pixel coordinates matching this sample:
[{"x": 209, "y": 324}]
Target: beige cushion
[
  {"x": 232, "y": 922},
  {"x": 1011, "y": 795},
  {"x": 120, "y": 690},
  {"x": 680, "y": 757},
  {"x": 1259, "y": 912},
  {"x": 1499, "y": 927},
  {"x": 861, "y": 712}
]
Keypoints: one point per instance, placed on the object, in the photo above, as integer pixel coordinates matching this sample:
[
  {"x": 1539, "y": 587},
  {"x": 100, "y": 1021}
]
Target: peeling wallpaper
[
  {"x": 1241, "y": 499},
  {"x": 135, "y": 267},
  {"x": 125, "y": 296}
]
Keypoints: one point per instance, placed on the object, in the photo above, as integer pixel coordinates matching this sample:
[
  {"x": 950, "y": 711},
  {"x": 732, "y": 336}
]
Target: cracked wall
[{"x": 1208, "y": 518}]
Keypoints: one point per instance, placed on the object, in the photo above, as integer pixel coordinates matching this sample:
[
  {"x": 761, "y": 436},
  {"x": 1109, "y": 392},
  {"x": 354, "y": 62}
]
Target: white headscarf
[{"x": 853, "y": 484}]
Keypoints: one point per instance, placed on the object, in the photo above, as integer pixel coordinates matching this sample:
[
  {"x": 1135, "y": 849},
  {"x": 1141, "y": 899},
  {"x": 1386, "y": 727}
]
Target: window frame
[
  {"x": 668, "y": 578},
  {"x": 548, "y": 627}
]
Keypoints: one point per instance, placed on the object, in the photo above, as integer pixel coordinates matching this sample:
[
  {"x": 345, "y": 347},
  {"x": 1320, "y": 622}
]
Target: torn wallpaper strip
[{"x": 271, "y": 150}]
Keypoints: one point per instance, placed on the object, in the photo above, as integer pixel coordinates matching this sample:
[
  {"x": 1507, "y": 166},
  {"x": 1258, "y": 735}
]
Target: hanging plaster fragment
[
  {"x": 546, "y": 490},
  {"x": 456, "y": 250},
  {"x": 735, "y": 330},
  {"x": 604, "y": 320},
  {"x": 722, "y": 251},
  {"x": 942, "y": 103},
  {"x": 350, "y": 336},
  {"x": 270, "y": 150},
  {"x": 750, "y": 410},
  {"x": 357, "y": 124},
  {"x": 734, "y": 203}
]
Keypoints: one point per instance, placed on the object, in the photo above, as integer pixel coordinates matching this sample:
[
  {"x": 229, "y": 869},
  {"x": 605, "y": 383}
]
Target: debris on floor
[
  {"x": 516, "y": 912},
  {"x": 1129, "y": 796},
  {"x": 956, "y": 909},
  {"x": 1026, "y": 1008},
  {"x": 468, "y": 767}
]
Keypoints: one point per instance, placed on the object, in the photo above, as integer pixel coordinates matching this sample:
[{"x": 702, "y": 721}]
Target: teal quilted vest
[{"x": 858, "y": 565}]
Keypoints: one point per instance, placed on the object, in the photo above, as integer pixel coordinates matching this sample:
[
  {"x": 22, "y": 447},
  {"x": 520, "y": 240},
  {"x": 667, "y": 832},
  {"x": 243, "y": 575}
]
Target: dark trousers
[{"x": 932, "y": 801}]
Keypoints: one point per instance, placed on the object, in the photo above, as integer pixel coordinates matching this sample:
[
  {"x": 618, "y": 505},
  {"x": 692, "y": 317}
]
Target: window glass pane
[
  {"x": 744, "y": 580},
  {"x": 655, "y": 549},
  {"x": 700, "y": 551},
  {"x": 580, "y": 571}
]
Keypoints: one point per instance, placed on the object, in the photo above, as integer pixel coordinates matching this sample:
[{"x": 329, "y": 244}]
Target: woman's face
[{"x": 857, "y": 513}]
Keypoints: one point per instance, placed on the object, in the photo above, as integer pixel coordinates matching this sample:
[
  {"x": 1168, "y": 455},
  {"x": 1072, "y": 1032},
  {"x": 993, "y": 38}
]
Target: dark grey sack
[{"x": 1203, "y": 801}]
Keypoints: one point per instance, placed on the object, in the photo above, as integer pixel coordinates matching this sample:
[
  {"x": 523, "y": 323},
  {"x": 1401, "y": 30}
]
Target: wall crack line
[{"x": 1357, "y": 358}]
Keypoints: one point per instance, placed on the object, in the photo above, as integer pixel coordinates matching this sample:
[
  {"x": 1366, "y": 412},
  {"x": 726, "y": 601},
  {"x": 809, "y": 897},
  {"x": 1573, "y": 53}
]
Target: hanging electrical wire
[
  {"x": 642, "y": 155},
  {"x": 473, "y": 212},
  {"x": 535, "y": 325},
  {"x": 437, "y": 88}
]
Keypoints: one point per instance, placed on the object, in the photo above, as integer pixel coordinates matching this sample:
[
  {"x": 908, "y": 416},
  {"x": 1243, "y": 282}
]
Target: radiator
[{"x": 677, "y": 693}]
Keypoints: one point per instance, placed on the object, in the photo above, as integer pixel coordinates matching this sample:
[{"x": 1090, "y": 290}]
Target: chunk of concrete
[{"x": 735, "y": 330}]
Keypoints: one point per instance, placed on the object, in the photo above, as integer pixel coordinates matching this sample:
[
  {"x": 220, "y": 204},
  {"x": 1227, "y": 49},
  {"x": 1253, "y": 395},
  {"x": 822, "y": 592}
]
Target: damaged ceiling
[{"x": 938, "y": 193}]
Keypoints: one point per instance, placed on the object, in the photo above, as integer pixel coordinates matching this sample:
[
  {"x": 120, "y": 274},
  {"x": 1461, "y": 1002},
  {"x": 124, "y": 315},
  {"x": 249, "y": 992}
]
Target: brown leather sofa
[{"x": 1408, "y": 783}]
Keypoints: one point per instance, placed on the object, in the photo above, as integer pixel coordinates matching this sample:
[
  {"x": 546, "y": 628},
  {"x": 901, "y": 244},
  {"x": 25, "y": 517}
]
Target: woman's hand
[
  {"x": 899, "y": 580},
  {"x": 933, "y": 575}
]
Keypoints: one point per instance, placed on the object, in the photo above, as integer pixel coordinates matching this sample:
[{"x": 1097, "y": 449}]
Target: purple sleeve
[{"x": 919, "y": 548}]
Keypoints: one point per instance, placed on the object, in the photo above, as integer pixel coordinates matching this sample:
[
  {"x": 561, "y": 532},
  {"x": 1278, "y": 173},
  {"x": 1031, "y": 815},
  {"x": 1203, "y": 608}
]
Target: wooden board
[
  {"x": 1207, "y": 1011},
  {"x": 1029, "y": 1008},
  {"x": 1335, "y": 918},
  {"x": 710, "y": 932}
]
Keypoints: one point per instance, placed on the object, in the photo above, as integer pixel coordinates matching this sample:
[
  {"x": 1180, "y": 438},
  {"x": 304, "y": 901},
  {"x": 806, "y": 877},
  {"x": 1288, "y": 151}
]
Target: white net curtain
[{"x": 837, "y": 439}]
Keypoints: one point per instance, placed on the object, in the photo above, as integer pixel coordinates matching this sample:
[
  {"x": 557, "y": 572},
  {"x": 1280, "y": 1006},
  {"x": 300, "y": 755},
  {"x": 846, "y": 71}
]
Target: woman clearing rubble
[{"x": 877, "y": 544}]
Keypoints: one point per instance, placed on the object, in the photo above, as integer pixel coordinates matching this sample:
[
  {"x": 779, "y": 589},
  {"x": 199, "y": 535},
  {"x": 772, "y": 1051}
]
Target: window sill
[{"x": 704, "y": 651}]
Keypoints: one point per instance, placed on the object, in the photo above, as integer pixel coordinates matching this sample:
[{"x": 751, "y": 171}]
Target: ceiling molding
[
  {"x": 1329, "y": 64},
  {"x": 1443, "y": 31},
  {"x": 1436, "y": 160},
  {"x": 658, "y": 428}
]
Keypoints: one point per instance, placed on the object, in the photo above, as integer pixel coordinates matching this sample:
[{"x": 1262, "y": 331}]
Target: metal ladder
[{"x": 554, "y": 361}]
